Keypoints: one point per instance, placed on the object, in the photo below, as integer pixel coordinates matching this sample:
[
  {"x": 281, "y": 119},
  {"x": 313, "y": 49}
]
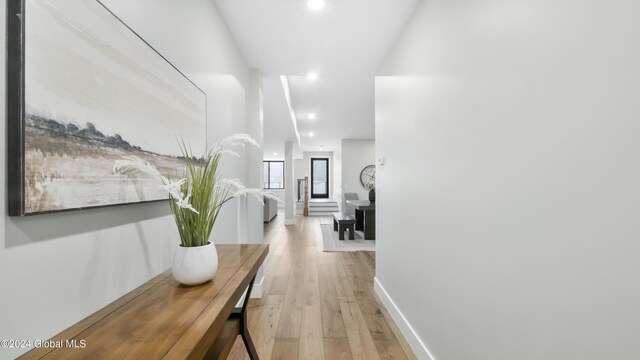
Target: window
[{"x": 273, "y": 174}]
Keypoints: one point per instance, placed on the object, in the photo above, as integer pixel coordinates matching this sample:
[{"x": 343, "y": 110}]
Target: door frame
[{"x": 319, "y": 196}]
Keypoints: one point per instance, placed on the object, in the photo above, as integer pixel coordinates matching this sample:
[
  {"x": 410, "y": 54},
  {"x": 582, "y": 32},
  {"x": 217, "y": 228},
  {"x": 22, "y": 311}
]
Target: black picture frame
[
  {"x": 16, "y": 19},
  {"x": 15, "y": 107}
]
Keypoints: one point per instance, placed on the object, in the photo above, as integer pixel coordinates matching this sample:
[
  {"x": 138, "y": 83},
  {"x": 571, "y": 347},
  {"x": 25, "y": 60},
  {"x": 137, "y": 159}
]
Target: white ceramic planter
[{"x": 195, "y": 265}]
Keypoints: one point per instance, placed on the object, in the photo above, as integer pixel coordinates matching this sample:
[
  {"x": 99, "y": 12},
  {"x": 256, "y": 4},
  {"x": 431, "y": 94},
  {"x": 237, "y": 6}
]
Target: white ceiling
[
  {"x": 280, "y": 126},
  {"x": 344, "y": 43}
]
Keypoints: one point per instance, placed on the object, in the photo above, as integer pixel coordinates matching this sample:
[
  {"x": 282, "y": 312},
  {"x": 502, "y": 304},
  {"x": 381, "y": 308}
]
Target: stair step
[
  {"x": 319, "y": 207},
  {"x": 321, "y": 213}
]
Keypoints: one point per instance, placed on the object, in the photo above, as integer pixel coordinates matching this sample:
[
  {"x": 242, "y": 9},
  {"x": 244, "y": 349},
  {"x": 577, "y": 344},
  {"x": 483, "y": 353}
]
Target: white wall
[
  {"x": 278, "y": 157},
  {"x": 356, "y": 155},
  {"x": 250, "y": 211},
  {"x": 289, "y": 180},
  {"x": 56, "y": 269},
  {"x": 337, "y": 177},
  {"x": 508, "y": 218},
  {"x": 254, "y": 213},
  {"x": 193, "y": 36}
]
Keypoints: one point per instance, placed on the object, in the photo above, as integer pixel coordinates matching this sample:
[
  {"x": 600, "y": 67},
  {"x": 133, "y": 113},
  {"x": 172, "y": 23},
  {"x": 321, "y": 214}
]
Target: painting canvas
[{"x": 85, "y": 90}]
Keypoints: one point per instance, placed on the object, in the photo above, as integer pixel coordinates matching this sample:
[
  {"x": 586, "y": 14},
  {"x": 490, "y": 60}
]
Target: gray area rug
[{"x": 330, "y": 241}]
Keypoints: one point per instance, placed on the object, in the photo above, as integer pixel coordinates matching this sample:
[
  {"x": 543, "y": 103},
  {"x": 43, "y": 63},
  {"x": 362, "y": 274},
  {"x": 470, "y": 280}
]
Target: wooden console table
[{"x": 164, "y": 320}]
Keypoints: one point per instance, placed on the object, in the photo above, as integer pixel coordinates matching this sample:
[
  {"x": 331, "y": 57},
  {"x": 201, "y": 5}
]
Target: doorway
[{"x": 319, "y": 178}]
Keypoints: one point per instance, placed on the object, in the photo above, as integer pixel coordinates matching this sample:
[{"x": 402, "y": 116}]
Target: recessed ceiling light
[
  {"x": 275, "y": 154},
  {"x": 311, "y": 134},
  {"x": 321, "y": 147},
  {"x": 312, "y": 76},
  {"x": 312, "y": 116},
  {"x": 315, "y": 4}
]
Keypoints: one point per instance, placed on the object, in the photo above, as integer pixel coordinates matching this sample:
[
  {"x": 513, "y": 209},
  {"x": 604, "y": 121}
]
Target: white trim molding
[
  {"x": 419, "y": 348},
  {"x": 256, "y": 292}
]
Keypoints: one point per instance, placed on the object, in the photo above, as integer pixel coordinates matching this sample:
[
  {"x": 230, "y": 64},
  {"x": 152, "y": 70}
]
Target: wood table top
[{"x": 162, "y": 319}]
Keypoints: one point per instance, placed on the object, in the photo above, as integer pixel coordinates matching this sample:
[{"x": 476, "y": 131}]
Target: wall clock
[{"x": 368, "y": 177}]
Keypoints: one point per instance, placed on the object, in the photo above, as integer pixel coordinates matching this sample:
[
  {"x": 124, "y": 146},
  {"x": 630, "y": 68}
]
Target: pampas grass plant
[{"x": 196, "y": 199}]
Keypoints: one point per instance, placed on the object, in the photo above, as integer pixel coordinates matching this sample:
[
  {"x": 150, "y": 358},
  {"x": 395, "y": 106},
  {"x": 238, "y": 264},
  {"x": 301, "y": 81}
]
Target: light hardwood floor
[{"x": 318, "y": 305}]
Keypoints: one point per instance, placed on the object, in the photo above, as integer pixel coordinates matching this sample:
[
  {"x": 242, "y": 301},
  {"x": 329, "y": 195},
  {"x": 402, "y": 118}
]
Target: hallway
[{"x": 318, "y": 305}]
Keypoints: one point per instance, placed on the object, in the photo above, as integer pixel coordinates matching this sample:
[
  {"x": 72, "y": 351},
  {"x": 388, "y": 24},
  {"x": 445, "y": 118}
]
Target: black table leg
[
  {"x": 369, "y": 224},
  {"x": 352, "y": 231},
  {"x": 359, "y": 220},
  {"x": 241, "y": 313}
]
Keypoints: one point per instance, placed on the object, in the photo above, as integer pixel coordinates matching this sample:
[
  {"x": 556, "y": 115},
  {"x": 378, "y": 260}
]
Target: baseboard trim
[
  {"x": 256, "y": 291},
  {"x": 419, "y": 348},
  {"x": 289, "y": 222}
]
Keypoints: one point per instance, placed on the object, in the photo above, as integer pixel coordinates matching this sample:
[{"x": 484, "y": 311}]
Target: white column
[
  {"x": 251, "y": 210},
  {"x": 288, "y": 184},
  {"x": 254, "y": 126}
]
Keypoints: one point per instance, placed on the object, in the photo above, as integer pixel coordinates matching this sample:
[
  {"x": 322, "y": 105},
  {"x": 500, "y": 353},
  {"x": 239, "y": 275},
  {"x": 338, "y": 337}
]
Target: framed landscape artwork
[{"x": 84, "y": 91}]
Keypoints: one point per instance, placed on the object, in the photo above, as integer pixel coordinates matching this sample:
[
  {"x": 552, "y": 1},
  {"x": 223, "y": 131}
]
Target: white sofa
[{"x": 270, "y": 209}]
